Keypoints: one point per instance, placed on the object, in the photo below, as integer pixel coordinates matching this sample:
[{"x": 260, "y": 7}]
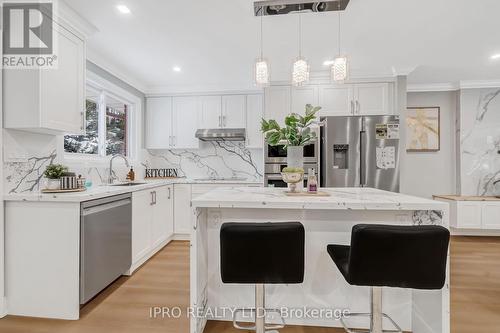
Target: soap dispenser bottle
[{"x": 312, "y": 181}]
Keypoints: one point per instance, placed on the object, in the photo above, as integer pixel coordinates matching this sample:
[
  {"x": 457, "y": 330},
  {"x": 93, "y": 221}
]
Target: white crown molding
[
  {"x": 198, "y": 90},
  {"x": 465, "y": 84},
  {"x": 71, "y": 18},
  {"x": 122, "y": 74},
  {"x": 474, "y": 84},
  {"x": 405, "y": 71},
  {"x": 428, "y": 87}
]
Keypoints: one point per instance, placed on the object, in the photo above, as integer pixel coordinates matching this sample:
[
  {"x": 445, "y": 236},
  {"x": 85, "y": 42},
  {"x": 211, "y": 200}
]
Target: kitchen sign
[{"x": 161, "y": 173}]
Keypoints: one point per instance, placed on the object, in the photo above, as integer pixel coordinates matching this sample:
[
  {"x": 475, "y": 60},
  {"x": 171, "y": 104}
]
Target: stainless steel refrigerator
[{"x": 360, "y": 151}]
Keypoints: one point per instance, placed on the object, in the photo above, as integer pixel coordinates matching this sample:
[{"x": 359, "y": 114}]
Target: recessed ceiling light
[
  {"x": 123, "y": 9},
  {"x": 328, "y": 62},
  {"x": 495, "y": 56},
  {"x": 176, "y": 69}
]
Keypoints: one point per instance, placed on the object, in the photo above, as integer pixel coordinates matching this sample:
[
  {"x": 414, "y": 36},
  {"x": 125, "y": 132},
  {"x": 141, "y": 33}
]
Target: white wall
[{"x": 425, "y": 174}]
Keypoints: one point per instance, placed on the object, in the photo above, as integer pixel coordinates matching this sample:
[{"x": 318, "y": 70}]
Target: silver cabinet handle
[
  {"x": 224, "y": 120},
  {"x": 358, "y": 107},
  {"x": 152, "y": 198},
  {"x": 220, "y": 121},
  {"x": 352, "y": 107},
  {"x": 155, "y": 196},
  {"x": 169, "y": 193}
]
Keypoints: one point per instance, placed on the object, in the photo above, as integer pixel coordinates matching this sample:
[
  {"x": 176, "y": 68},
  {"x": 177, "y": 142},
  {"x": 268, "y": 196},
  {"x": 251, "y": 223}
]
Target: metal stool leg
[
  {"x": 376, "y": 315},
  {"x": 260, "y": 311}
]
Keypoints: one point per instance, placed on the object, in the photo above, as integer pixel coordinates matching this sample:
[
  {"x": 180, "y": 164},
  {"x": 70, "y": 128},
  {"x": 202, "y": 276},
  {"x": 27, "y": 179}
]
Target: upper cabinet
[
  {"x": 335, "y": 100},
  {"x": 159, "y": 123},
  {"x": 49, "y": 101},
  {"x": 211, "y": 108},
  {"x": 234, "y": 110},
  {"x": 185, "y": 122},
  {"x": 277, "y": 103}
]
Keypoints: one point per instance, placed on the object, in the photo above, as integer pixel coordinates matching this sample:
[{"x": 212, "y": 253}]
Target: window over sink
[{"x": 107, "y": 126}]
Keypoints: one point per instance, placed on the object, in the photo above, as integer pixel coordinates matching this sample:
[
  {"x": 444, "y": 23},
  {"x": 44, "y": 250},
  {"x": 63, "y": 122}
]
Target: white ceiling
[{"x": 215, "y": 42}]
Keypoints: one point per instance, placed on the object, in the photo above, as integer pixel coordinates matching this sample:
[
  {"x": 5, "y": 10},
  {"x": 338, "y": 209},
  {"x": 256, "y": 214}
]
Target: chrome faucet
[{"x": 111, "y": 177}]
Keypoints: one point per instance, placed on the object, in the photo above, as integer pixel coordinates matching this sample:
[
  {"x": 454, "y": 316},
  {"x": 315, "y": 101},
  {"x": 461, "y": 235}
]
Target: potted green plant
[
  {"x": 294, "y": 135},
  {"x": 53, "y": 173}
]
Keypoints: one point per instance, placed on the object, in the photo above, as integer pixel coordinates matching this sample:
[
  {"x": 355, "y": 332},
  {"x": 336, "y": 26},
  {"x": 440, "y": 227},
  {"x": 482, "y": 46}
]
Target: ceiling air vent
[{"x": 282, "y": 7}]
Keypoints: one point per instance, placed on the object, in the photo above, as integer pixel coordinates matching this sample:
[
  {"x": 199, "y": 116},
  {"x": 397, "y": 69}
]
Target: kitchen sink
[{"x": 128, "y": 184}]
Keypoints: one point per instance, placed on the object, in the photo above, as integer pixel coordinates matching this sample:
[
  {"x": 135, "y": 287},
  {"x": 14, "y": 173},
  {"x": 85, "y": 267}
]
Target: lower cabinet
[
  {"x": 475, "y": 215},
  {"x": 182, "y": 210},
  {"x": 152, "y": 222}
]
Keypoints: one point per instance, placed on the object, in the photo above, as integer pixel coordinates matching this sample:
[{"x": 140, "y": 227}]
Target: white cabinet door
[
  {"x": 185, "y": 122},
  {"x": 234, "y": 111},
  {"x": 277, "y": 103},
  {"x": 469, "y": 215},
  {"x": 255, "y": 139},
  {"x": 158, "y": 122},
  {"x": 211, "y": 111},
  {"x": 336, "y": 100},
  {"x": 62, "y": 92},
  {"x": 182, "y": 209},
  {"x": 301, "y": 96},
  {"x": 142, "y": 214},
  {"x": 163, "y": 215},
  {"x": 372, "y": 99},
  {"x": 491, "y": 215}
]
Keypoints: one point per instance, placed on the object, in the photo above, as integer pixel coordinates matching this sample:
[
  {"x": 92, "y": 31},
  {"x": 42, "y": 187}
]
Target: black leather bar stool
[
  {"x": 262, "y": 253},
  {"x": 392, "y": 256}
]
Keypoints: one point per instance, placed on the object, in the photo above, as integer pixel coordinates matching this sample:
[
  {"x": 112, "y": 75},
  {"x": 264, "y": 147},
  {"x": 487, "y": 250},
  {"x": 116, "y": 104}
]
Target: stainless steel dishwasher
[{"x": 105, "y": 243}]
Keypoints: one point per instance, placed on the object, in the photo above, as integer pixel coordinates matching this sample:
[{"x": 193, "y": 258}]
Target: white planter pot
[
  {"x": 53, "y": 184},
  {"x": 295, "y": 157}
]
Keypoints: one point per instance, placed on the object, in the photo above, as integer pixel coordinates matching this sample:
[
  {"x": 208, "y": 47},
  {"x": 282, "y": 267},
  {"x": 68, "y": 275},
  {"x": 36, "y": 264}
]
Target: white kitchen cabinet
[
  {"x": 277, "y": 103},
  {"x": 255, "y": 138},
  {"x": 185, "y": 122},
  {"x": 372, "y": 99},
  {"x": 142, "y": 215},
  {"x": 234, "y": 109},
  {"x": 159, "y": 123},
  {"x": 152, "y": 222},
  {"x": 301, "y": 96},
  {"x": 490, "y": 215},
  {"x": 211, "y": 112},
  {"x": 182, "y": 210},
  {"x": 50, "y": 101},
  {"x": 162, "y": 226},
  {"x": 336, "y": 100},
  {"x": 469, "y": 215}
]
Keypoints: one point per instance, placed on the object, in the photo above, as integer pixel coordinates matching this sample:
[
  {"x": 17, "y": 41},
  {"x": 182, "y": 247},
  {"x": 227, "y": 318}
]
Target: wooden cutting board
[
  {"x": 307, "y": 194},
  {"x": 46, "y": 190}
]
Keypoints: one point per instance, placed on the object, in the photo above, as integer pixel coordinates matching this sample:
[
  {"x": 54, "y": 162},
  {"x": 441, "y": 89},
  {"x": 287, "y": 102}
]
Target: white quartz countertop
[
  {"x": 340, "y": 198},
  {"x": 102, "y": 191}
]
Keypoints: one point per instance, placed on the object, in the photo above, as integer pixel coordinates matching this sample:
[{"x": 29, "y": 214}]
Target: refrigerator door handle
[
  {"x": 352, "y": 107},
  {"x": 362, "y": 162}
]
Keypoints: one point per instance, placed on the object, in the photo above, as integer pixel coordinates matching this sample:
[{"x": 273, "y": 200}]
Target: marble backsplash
[
  {"x": 214, "y": 159},
  {"x": 26, "y": 156},
  {"x": 479, "y": 141}
]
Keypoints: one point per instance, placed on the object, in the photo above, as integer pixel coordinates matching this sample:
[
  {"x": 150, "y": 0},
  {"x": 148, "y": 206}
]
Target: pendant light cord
[
  {"x": 339, "y": 24},
  {"x": 300, "y": 33},
  {"x": 261, "y": 37}
]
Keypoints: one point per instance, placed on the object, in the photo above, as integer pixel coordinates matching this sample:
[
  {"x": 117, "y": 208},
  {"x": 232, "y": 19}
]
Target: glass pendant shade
[
  {"x": 261, "y": 70},
  {"x": 300, "y": 72},
  {"x": 339, "y": 70}
]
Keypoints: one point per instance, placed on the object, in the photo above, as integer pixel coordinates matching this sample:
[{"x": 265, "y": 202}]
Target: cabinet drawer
[
  {"x": 469, "y": 215},
  {"x": 491, "y": 215}
]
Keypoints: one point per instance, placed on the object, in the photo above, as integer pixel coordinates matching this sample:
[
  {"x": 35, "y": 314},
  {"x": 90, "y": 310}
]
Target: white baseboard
[
  {"x": 474, "y": 232},
  {"x": 3, "y": 307},
  {"x": 182, "y": 237}
]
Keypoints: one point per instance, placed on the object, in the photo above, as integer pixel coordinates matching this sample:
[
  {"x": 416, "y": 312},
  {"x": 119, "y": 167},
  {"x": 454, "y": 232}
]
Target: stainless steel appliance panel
[
  {"x": 105, "y": 243},
  {"x": 340, "y": 151},
  {"x": 371, "y": 174}
]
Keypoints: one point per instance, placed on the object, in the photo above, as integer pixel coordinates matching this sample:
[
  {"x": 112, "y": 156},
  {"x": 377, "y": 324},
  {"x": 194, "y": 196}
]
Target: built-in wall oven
[{"x": 272, "y": 176}]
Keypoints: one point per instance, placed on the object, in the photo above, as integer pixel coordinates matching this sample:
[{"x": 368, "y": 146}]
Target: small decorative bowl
[{"x": 292, "y": 178}]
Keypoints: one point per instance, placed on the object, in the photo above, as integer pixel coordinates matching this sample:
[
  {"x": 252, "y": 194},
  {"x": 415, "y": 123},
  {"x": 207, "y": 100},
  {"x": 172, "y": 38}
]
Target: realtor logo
[{"x": 28, "y": 38}]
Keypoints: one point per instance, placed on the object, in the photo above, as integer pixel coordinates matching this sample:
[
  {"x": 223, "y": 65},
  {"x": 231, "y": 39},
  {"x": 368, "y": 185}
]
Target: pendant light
[
  {"x": 261, "y": 66},
  {"x": 340, "y": 66},
  {"x": 300, "y": 69}
]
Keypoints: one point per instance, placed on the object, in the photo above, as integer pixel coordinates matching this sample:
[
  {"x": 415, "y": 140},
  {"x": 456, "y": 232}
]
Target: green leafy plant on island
[
  {"x": 55, "y": 171},
  {"x": 296, "y": 132}
]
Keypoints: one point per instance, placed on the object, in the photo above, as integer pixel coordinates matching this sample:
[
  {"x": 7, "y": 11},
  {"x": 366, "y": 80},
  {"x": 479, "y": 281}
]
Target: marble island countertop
[
  {"x": 101, "y": 191},
  {"x": 340, "y": 198}
]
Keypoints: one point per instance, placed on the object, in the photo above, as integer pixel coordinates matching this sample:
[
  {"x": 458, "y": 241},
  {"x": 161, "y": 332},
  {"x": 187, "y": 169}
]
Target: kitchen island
[{"x": 327, "y": 220}]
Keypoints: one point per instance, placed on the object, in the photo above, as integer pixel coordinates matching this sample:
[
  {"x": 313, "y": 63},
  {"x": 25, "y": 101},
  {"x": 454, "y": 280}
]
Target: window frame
[{"x": 105, "y": 88}]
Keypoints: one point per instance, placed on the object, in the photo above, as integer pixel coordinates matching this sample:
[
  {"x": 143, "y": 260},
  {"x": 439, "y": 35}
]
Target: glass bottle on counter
[{"x": 312, "y": 181}]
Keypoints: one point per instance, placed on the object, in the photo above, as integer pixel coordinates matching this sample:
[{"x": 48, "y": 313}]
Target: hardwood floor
[{"x": 164, "y": 281}]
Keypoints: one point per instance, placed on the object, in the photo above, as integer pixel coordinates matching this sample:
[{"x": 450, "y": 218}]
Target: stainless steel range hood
[
  {"x": 221, "y": 134},
  {"x": 281, "y": 7}
]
